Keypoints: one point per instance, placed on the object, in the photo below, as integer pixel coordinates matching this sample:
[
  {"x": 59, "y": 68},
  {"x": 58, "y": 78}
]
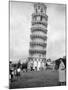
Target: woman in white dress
[
  {"x": 35, "y": 65},
  {"x": 39, "y": 65},
  {"x": 62, "y": 76}
]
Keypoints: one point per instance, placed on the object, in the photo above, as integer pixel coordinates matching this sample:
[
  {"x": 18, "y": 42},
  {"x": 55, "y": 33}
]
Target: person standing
[
  {"x": 62, "y": 76},
  {"x": 35, "y": 65},
  {"x": 39, "y": 65}
]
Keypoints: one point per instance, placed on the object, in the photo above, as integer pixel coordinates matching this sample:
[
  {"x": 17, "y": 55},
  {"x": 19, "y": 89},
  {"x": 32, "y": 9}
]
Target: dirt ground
[{"x": 36, "y": 79}]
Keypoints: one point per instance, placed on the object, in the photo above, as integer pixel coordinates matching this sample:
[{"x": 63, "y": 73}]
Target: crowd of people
[
  {"x": 14, "y": 71},
  {"x": 38, "y": 65}
]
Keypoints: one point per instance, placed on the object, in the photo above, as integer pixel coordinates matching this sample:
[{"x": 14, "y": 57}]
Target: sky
[{"x": 20, "y": 29}]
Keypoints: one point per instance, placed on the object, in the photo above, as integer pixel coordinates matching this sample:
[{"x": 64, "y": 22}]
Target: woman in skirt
[{"x": 62, "y": 73}]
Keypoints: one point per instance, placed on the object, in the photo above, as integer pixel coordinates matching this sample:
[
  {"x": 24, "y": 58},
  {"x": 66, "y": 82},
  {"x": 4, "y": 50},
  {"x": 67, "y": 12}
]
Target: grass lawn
[{"x": 36, "y": 79}]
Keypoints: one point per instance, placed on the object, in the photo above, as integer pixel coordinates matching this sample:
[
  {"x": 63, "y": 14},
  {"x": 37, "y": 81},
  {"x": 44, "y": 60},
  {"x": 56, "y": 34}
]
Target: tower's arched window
[
  {"x": 38, "y": 18},
  {"x": 34, "y": 18},
  {"x": 36, "y": 10},
  {"x": 41, "y": 10},
  {"x": 41, "y": 18},
  {"x": 38, "y": 7}
]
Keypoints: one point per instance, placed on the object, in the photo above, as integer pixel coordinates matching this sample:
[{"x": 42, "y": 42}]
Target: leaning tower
[{"x": 38, "y": 35}]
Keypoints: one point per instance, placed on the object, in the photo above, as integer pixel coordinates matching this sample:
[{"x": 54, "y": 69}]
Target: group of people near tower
[
  {"x": 36, "y": 64},
  {"x": 59, "y": 65}
]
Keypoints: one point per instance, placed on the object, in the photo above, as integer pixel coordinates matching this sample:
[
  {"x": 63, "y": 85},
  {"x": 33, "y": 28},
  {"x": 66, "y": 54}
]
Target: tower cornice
[
  {"x": 38, "y": 36},
  {"x": 36, "y": 28},
  {"x": 40, "y": 14},
  {"x": 33, "y": 44},
  {"x": 39, "y": 22}
]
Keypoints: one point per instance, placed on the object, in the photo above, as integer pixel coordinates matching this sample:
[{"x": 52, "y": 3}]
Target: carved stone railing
[
  {"x": 34, "y": 29},
  {"x": 31, "y": 51},
  {"x": 38, "y": 36},
  {"x": 39, "y": 22},
  {"x": 33, "y": 44},
  {"x": 40, "y": 14}
]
